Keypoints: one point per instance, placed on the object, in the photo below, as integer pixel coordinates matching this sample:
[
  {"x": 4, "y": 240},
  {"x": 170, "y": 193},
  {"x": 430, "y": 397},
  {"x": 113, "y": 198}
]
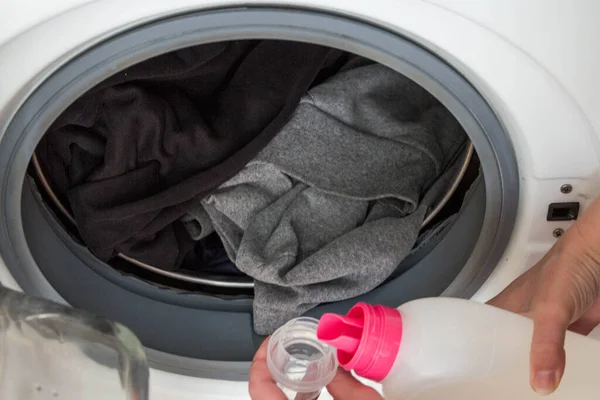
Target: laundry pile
[
  {"x": 133, "y": 154},
  {"x": 309, "y": 169}
]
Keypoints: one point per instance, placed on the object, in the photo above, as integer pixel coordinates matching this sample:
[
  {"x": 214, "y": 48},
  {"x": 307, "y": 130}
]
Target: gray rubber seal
[{"x": 202, "y": 335}]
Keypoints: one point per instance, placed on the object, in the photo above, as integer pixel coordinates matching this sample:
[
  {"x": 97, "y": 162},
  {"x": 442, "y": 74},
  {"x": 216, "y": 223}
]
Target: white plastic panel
[
  {"x": 18, "y": 16},
  {"x": 167, "y": 386},
  {"x": 562, "y": 36}
]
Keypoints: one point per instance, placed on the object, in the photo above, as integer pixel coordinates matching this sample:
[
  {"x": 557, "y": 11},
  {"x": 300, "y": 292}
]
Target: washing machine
[{"x": 520, "y": 77}]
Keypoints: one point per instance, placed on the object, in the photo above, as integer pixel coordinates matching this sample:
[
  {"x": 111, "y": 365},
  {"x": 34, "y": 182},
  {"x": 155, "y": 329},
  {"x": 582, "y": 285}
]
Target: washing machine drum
[{"x": 188, "y": 318}]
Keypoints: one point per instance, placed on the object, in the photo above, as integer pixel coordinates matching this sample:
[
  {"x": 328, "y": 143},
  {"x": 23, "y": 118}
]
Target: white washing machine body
[{"x": 534, "y": 62}]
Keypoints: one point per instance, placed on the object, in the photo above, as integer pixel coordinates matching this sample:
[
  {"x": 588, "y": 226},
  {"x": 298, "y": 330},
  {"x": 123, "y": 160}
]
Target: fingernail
[{"x": 545, "y": 382}]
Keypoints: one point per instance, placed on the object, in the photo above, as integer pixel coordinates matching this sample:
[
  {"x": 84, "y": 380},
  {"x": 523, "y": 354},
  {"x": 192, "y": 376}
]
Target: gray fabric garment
[
  {"x": 198, "y": 223},
  {"x": 335, "y": 202}
]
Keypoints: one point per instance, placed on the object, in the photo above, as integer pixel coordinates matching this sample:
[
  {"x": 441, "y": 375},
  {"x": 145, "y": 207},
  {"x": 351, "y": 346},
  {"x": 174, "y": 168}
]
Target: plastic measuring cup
[{"x": 300, "y": 364}]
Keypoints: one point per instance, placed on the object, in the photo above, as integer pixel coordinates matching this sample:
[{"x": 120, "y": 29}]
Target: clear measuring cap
[{"x": 300, "y": 364}]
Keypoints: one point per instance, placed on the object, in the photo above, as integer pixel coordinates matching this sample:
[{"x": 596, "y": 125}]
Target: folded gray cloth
[{"x": 335, "y": 202}]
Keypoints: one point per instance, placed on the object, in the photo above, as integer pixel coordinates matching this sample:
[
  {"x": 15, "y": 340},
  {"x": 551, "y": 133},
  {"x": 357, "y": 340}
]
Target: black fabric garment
[{"x": 133, "y": 154}]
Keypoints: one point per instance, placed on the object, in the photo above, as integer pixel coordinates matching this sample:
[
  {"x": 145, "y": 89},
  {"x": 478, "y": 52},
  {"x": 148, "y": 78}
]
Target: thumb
[
  {"x": 345, "y": 387},
  {"x": 547, "y": 348}
]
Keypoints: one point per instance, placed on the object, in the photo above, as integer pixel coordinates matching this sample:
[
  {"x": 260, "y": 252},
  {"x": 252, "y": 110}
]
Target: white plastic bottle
[{"x": 452, "y": 349}]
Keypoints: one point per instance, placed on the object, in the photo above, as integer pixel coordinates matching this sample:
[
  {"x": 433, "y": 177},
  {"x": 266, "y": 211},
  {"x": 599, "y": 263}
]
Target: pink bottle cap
[{"x": 367, "y": 339}]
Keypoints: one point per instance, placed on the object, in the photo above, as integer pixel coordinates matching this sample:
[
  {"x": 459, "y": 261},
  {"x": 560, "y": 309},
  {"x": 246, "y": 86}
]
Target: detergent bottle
[{"x": 452, "y": 349}]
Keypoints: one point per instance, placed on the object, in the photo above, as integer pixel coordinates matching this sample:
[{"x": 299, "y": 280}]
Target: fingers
[
  {"x": 515, "y": 297},
  {"x": 261, "y": 384},
  {"x": 588, "y": 321},
  {"x": 547, "y": 348},
  {"x": 560, "y": 292},
  {"x": 345, "y": 387},
  {"x": 552, "y": 308}
]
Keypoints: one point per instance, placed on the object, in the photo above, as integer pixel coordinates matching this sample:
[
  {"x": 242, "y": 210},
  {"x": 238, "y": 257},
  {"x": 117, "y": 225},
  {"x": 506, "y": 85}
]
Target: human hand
[
  {"x": 343, "y": 387},
  {"x": 560, "y": 292}
]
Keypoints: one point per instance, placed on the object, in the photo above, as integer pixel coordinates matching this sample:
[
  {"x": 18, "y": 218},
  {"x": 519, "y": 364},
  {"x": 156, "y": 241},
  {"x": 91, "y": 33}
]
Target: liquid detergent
[{"x": 452, "y": 349}]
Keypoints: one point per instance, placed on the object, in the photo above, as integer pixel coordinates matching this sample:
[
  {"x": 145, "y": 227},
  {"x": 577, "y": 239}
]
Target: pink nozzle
[
  {"x": 343, "y": 333},
  {"x": 367, "y": 339}
]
